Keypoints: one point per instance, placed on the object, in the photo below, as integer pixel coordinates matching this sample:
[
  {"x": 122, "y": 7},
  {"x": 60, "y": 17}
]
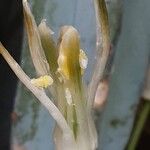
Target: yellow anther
[
  {"x": 42, "y": 82},
  {"x": 63, "y": 68}
]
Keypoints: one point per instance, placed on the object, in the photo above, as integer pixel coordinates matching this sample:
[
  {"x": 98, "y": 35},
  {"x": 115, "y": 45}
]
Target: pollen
[
  {"x": 68, "y": 96},
  {"x": 42, "y": 82},
  {"x": 83, "y": 60}
]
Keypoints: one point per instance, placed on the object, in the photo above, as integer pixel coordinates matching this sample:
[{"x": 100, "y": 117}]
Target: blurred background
[{"x": 126, "y": 74}]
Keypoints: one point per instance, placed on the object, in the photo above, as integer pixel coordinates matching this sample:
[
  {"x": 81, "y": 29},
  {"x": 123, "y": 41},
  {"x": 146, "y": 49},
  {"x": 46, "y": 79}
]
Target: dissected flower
[{"x": 61, "y": 66}]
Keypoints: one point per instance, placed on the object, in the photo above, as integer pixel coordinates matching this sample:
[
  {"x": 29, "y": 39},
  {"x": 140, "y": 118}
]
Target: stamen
[{"x": 42, "y": 82}]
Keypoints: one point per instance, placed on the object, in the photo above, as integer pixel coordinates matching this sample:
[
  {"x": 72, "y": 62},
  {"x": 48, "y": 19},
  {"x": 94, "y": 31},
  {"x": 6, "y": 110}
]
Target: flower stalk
[{"x": 139, "y": 126}]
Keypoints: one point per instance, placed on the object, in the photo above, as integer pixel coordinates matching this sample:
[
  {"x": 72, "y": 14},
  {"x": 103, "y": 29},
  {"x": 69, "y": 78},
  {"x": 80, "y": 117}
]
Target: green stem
[{"x": 139, "y": 126}]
